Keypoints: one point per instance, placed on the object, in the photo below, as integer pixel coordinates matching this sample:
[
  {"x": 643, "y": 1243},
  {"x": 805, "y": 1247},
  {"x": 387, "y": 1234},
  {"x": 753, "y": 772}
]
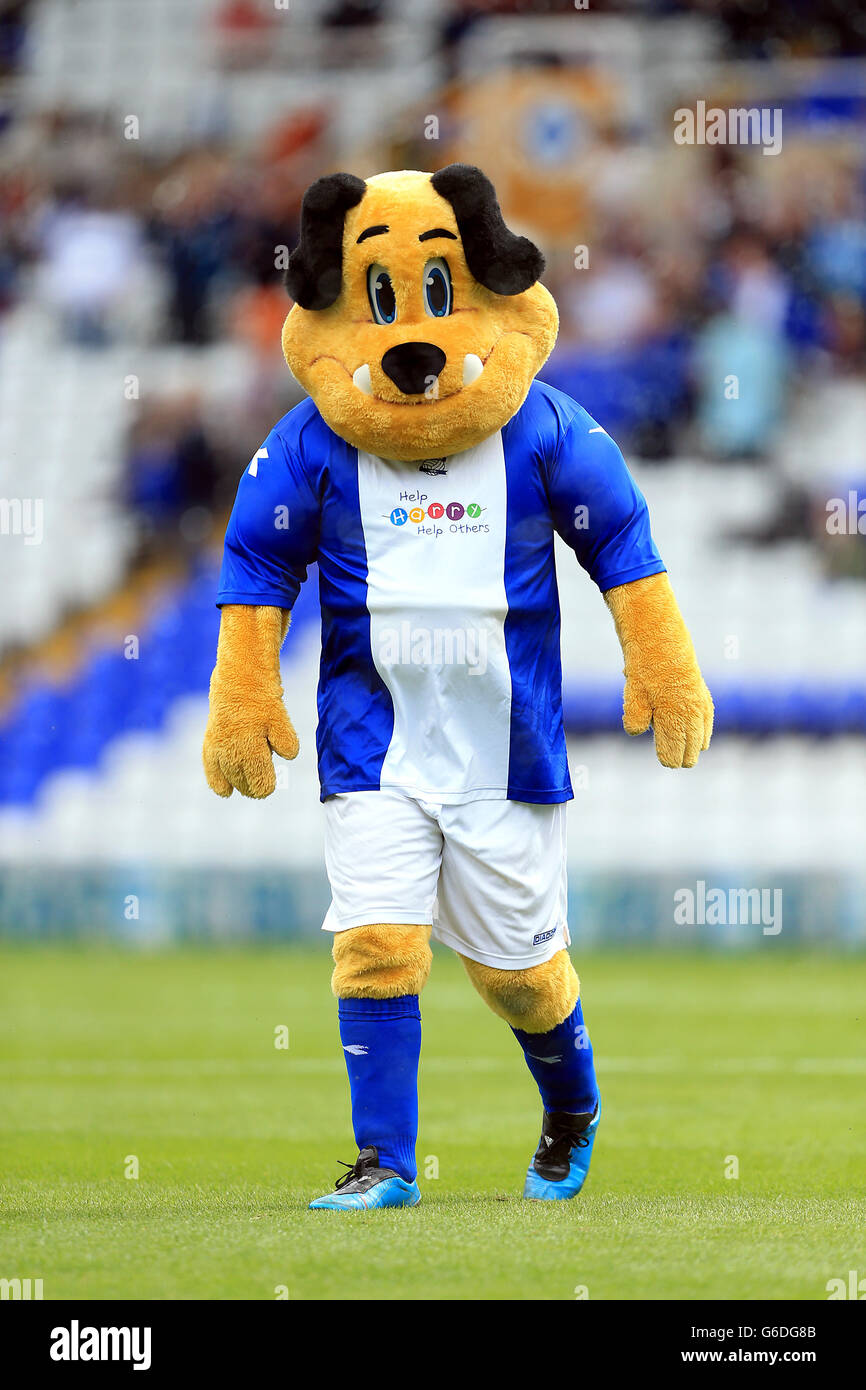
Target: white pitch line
[{"x": 45, "y": 1068}]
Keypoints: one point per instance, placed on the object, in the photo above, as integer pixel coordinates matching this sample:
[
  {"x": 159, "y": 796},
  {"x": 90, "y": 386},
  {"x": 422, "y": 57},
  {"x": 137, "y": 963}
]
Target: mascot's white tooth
[
  {"x": 472, "y": 368},
  {"x": 361, "y": 378}
]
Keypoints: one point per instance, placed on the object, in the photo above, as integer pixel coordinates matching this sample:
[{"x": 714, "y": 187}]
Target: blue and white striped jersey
[{"x": 440, "y": 671}]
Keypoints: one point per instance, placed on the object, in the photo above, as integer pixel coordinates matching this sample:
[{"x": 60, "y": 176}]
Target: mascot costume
[{"x": 426, "y": 476}]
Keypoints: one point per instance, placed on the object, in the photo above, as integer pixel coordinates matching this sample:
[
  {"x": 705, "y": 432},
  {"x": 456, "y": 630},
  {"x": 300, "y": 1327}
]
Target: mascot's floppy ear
[
  {"x": 498, "y": 259},
  {"x": 315, "y": 270}
]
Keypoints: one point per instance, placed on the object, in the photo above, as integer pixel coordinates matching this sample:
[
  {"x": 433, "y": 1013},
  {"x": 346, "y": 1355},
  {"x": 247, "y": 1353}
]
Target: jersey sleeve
[
  {"x": 598, "y": 509},
  {"x": 273, "y": 531}
]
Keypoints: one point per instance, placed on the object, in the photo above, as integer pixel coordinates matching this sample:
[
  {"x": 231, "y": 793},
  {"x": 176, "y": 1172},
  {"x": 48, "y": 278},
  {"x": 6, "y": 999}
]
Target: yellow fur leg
[
  {"x": 381, "y": 961},
  {"x": 536, "y": 999}
]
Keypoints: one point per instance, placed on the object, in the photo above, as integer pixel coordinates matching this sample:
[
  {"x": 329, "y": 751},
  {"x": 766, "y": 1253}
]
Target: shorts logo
[
  {"x": 356, "y": 1049},
  {"x": 543, "y": 936}
]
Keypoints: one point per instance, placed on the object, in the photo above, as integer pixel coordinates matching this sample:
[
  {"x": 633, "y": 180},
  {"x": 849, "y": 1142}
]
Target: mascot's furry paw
[
  {"x": 681, "y": 714},
  {"x": 248, "y": 722},
  {"x": 663, "y": 682}
]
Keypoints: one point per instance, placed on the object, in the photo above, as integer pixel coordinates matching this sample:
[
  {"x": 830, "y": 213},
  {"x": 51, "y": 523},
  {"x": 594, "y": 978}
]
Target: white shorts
[{"x": 488, "y": 876}]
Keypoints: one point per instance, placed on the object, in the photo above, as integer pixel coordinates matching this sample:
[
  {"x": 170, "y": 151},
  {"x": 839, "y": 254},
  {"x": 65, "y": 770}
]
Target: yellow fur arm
[
  {"x": 381, "y": 961},
  {"x": 536, "y": 999},
  {"x": 248, "y": 720},
  {"x": 663, "y": 682}
]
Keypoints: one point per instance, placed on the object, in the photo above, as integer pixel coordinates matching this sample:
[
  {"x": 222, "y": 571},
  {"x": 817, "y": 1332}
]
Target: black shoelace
[
  {"x": 563, "y": 1144},
  {"x": 354, "y": 1172}
]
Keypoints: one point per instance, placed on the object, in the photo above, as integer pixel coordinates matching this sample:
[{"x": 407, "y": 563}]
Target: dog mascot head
[{"x": 418, "y": 322}]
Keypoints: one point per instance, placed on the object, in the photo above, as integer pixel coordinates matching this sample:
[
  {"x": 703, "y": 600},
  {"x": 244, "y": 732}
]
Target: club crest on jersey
[{"x": 434, "y": 468}]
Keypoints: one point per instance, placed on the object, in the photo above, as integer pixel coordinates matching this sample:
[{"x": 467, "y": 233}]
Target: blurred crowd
[
  {"x": 740, "y": 278},
  {"x": 85, "y": 218},
  {"x": 746, "y": 289},
  {"x": 119, "y": 247}
]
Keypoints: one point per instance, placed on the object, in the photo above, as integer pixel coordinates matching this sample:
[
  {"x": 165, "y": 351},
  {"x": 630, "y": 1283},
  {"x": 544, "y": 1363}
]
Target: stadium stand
[
  {"x": 61, "y": 439},
  {"x": 99, "y": 750}
]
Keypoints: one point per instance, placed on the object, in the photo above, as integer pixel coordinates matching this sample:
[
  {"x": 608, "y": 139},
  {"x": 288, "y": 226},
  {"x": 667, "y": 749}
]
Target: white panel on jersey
[{"x": 436, "y": 596}]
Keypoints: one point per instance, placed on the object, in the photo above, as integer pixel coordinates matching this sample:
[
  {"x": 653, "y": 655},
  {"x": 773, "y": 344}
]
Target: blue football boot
[
  {"x": 366, "y": 1185},
  {"x": 561, "y": 1162}
]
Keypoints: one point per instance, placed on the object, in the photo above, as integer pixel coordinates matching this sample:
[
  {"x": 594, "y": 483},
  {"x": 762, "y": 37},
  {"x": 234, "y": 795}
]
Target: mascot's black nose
[{"x": 413, "y": 367}]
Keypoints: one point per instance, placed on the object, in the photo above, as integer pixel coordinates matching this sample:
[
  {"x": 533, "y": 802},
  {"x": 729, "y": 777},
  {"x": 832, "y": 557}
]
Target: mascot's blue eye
[
  {"x": 380, "y": 293},
  {"x": 437, "y": 288}
]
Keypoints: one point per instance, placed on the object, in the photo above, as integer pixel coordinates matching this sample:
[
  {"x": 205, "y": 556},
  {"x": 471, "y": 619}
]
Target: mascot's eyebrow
[
  {"x": 437, "y": 231},
  {"x": 371, "y": 231}
]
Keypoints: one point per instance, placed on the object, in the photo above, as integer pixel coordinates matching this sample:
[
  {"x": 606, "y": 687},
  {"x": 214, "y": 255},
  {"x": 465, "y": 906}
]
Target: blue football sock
[
  {"x": 561, "y": 1062},
  {"x": 382, "y": 1043}
]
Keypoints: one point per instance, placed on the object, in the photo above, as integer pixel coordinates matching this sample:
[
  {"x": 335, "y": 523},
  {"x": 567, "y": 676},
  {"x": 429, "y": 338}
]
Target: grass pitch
[{"x": 166, "y": 1063}]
